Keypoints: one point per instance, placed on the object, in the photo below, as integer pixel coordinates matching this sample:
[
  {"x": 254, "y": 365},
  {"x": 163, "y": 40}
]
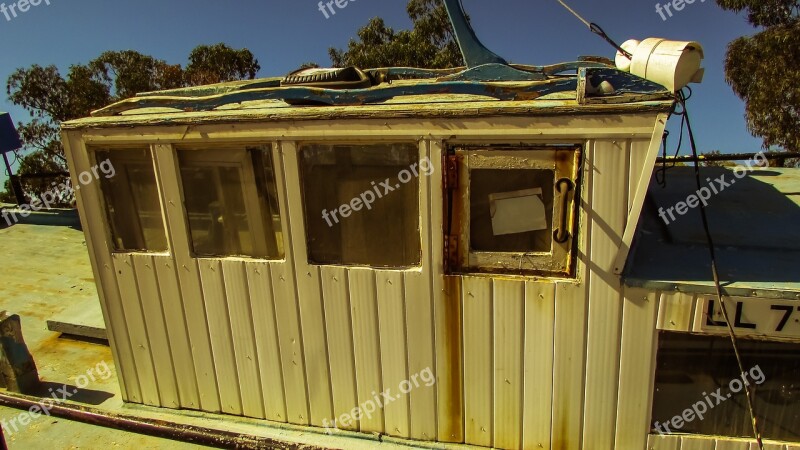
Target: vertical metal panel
[
  {"x": 290, "y": 339},
  {"x": 419, "y": 309},
  {"x": 392, "y": 328},
  {"x": 610, "y": 192},
  {"x": 339, "y": 326},
  {"x": 637, "y": 368},
  {"x": 540, "y": 310},
  {"x": 676, "y": 311},
  {"x": 364, "y": 310},
  {"x": 237, "y": 294},
  {"x": 421, "y": 358},
  {"x": 168, "y": 179},
  {"x": 569, "y": 362},
  {"x": 172, "y": 303},
  {"x": 94, "y": 229},
  {"x": 315, "y": 346},
  {"x": 658, "y": 442},
  {"x": 508, "y": 299},
  {"x": 219, "y": 329},
  {"x": 637, "y": 168},
  {"x": 447, "y": 321},
  {"x": 309, "y": 295},
  {"x": 150, "y": 298},
  {"x": 265, "y": 331},
  {"x": 137, "y": 330},
  {"x": 478, "y": 360}
]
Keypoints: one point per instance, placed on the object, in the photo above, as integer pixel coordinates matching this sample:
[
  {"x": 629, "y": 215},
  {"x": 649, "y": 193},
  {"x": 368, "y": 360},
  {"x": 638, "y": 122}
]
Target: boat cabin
[{"x": 441, "y": 256}]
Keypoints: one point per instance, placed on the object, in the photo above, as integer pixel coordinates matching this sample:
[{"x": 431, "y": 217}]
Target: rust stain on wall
[{"x": 451, "y": 395}]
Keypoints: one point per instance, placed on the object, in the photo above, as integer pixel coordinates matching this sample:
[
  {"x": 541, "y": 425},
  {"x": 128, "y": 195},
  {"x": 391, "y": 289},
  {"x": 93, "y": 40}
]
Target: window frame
[
  {"x": 108, "y": 226},
  {"x": 419, "y": 155},
  {"x": 565, "y": 160},
  {"x": 235, "y": 155}
]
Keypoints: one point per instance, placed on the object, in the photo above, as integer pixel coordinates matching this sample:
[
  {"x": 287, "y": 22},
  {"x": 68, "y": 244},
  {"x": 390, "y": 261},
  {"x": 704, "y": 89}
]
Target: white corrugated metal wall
[{"x": 519, "y": 363}]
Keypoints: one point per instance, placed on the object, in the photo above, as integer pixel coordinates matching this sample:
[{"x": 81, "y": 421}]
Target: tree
[
  {"x": 430, "y": 44},
  {"x": 51, "y": 98},
  {"x": 762, "y": 69},
  {"x": 219, "y": 63},
  {"x": 129, "y": 72}
]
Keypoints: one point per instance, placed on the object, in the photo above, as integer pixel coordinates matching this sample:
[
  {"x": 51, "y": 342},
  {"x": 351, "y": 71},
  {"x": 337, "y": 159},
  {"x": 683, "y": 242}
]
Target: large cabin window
[
  {"x": 231, "y": 202},
  {"x": 512, "y": 210},
  {"x": 362, "y": 203},
  {"x": 131, "y": 201},
  {"x": 699, "y": 390}
]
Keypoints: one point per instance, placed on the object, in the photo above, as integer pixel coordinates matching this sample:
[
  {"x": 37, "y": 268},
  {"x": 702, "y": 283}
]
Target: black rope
[
  {"x": 596, "y": 29},
  {"x": 712, "y": 253}
]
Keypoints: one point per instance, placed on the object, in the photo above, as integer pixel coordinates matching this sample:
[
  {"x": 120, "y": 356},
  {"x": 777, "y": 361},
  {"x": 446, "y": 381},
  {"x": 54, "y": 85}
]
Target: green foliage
[
  {"x": 430, "y": 44},
  {"x": 219, "y": 63},
  {"x": 129, "y": 72},
  {"x": 762, "y": 69},
  {"x": 51, "y": 98},
  {"x": 715, "y": 163}
]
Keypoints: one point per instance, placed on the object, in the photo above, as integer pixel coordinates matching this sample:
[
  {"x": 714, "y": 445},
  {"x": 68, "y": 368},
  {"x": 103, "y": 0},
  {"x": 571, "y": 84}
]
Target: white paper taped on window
[{"x": 517, "y": 212}]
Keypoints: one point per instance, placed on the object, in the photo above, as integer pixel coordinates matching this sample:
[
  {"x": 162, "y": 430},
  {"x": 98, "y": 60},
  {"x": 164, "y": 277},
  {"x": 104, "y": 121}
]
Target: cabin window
[
  {"x": 231, "y": 202},
  {"x": 698, "y": 388},
  {"x": 131, "y": 201},
  {"x": 512, "y": 210},
  {"x": 362, "y": 203}
]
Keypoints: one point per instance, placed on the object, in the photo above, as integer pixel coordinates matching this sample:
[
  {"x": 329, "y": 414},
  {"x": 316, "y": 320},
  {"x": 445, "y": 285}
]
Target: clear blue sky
[{"x": 284, "y": 34}]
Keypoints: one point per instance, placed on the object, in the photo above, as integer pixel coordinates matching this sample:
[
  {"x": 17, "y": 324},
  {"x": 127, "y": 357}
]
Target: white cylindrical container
[{"x": 673, "y": 64}]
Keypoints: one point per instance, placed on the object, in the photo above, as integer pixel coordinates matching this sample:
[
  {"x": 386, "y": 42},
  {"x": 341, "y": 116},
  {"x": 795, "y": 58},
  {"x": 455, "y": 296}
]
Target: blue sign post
[{"x": 10, "y": 141}]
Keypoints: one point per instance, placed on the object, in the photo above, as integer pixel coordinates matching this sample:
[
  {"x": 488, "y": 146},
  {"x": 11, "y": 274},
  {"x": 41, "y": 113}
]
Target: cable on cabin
[
  {"x": 661, "y": 174},
  {"x": 596, "y": 29},
  {"x": 681, "y": 97}
]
